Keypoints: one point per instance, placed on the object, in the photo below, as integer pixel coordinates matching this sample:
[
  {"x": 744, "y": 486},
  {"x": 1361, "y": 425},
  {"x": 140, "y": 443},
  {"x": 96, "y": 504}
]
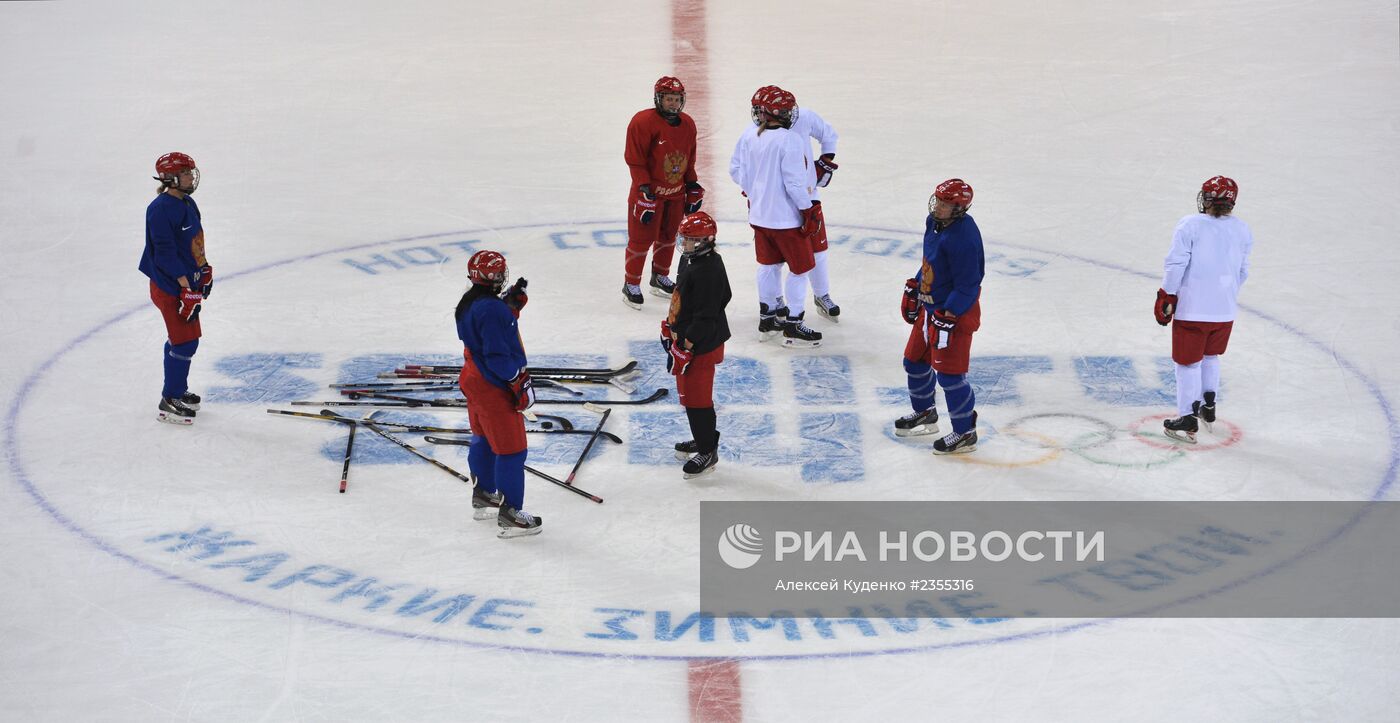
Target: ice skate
[
  {"x": 517, "y": 523},
  {"x": 485, "y": 505},
  {"x": 701, "y": 464},
  {"x": 174, "y": 411},
  {"x": 799, "y": 335},
  {"x": 191, "y": 400},
  {"x": 1206, "y": 410},
  {"x": 686, "y": 450},
  {"x": 632, "y": 295},
  {"x": 1182, "y": 429},
  {"x": 917, "y": 424},
  {"x": 662, "y": 286},
  {"x": 954, "y": 443},
  {"x": 827, "y": 308},
  {"x": 770, "y": 323}
]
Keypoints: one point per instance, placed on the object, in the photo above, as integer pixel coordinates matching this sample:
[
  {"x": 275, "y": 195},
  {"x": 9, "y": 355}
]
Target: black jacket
[{"x": 697, "y": 304}]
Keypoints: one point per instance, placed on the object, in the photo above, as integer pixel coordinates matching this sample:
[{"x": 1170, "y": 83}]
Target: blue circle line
[{"x": 21, "y": 475}]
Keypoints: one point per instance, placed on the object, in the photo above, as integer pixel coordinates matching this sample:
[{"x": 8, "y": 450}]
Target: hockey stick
[
  {"x": 573, "y": 472},
  {"x": 550, "y": 421},
  {"x": 349, "y": 447},
  {"x": 371, "y": 426},
  {"x": 660, "y": 393},
  {"x": 528, "y": 468},
  {"x": 534, "y": 371}
]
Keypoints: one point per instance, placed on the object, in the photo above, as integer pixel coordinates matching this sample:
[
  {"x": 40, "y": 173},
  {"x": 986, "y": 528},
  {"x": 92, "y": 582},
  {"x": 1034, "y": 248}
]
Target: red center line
[
  {"x": 714, "y": 685},
  {"x": 691, "y": 60},
  {"x": 715, "y": 694}
]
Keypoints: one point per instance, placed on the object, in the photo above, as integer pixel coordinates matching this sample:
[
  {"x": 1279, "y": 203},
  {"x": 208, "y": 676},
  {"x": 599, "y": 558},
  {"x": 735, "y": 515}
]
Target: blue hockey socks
[
  {"x": 957, "y": 392},
  {"x": 510, "y": 477},
  {"x": 921, "y": 386},
  {"x": 177, "y": 368}
]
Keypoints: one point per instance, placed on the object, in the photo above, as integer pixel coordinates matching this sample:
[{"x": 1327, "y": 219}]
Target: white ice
[{"x": 328, "y": 133}]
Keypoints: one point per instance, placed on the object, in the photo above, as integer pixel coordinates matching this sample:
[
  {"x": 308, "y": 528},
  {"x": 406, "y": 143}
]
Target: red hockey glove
[
  {"x": 190, "y": 302},
  {"x": 645, "y": 207},
  {"x": 826, "y": 166},
  {"x": 694, "y": 197},
  {"x": 206, "y": 279},
  {"x": 1165, "y": 308},
  {"x": 515, "y": 297},
  {"x": 679, "y": 359},
  {"x": 909, "y": 305},
  {"x": 944, "y": 323},
  {"x": 812, "y": 221},
  {"x": 666, "y": 341},
  {"x": 524, "y": 391}
]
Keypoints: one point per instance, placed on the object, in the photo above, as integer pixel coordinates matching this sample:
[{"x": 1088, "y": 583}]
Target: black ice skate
[
  {"x": 770, "y": 322},
  {"x": 662, "y": 285},
  {"x": 954, "y": 443},
  {"x": 797, "y": 334},
  {"x": 917, "y": 424},
  {"x": 1206, "y": 410},
  {"x": 517, "y": 523},
  {"x": 485, "y": 504},
  {"x": 701, "y": 463},
  {"x": 827, "y": 308},
  {"x": 1182, "y": 429},
  {"x": 174, "y": 411},
  {"x": 686, "y": 450},
  {"x": 632, "y": 295},
  {"x": 191, "y": 400}
]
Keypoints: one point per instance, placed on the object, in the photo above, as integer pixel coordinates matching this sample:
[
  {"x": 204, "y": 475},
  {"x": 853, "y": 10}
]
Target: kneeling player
[
  {"x": 498, "y": 388},
  {"x": 943, "y": 302},
  {"x": 693, "y": 335}
]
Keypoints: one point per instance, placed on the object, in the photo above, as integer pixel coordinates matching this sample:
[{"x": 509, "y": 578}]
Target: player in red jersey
[{"x": 661, "y": 157}]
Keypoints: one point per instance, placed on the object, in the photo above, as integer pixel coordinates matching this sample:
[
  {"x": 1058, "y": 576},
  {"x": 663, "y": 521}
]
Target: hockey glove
[
  {"x": 524, "y": 391},
  {"x": 679, "y": 359},
  {"x": 694, "y": 197},
  {"x": 206, "y": 280},
  {"x": 909, "y": 305},
  {"x": 826, "y": 166},
  {"x": 812, "y": 220},
  {"x": 190, "y": 302},
  {"x": 515, "y": 297},
  {"x": 1165, "y": 308},
  {"x": 944, "y": 323},
  {"x": 645, "y": 207}
]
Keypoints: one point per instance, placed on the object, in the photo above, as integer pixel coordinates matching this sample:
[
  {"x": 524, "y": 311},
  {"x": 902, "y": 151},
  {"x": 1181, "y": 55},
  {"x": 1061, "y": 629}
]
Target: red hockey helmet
[
  {"x": 668, "y": 85},
  {"x": 168, "y": 170},
  {"x": 954, "y": 191},
  {"x": 171, "y": 164},
  {"x": 487, "y": 268},
  {"x": 780, "y": 106},
  {"x": 698, "y": 225},
  {"x": 756, "y": 103},
  {"x": 1217, "y": 191}
]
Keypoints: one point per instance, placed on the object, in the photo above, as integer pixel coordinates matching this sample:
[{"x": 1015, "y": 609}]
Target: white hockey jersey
[{"x": 1207, "y": 264}]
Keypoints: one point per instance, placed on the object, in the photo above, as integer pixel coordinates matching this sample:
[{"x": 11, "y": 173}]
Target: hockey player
[
  {"x": 774, "y": 174},
  {"x": 660, "y": 154},
  {"x": 808, "y": 124},
  {"x": 1207, "y": 264},
  {"x": 181, "y": 278},
  {"x": 498, "y": 388},
  {"x": 943, "y": 303},
  {"x": 693, "y": 335}
]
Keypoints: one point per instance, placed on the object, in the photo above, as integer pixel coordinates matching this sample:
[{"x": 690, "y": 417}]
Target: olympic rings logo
[{"x": 1037, "y": 439}]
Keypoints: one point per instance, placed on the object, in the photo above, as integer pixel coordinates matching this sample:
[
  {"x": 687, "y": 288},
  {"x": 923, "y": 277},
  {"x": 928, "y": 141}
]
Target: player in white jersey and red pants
[
  {"x": 1207, "y": 264},
  {"x": 807, "y": 124},
  {"x": 778, "y": 182}
]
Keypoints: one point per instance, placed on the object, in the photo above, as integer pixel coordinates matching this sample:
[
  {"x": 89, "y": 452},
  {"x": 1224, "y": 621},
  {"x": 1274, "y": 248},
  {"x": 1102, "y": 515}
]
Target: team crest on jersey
[{"x": 674, "y": 165}]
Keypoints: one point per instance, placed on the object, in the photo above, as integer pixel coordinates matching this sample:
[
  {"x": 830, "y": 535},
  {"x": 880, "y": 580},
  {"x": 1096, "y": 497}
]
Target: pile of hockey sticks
[{"x": 387, "y": 394}]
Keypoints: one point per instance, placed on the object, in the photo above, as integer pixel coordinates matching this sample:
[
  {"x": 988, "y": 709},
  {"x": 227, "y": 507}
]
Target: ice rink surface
[{"x": 354, "y": 155}]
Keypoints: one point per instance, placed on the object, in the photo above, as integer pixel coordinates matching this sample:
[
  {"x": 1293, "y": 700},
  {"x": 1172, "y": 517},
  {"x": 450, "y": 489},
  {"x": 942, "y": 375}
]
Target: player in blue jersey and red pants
[
  {"x": 498, "y": 389},
  {"x": 181, "y": 278},
  {"x": 943, "y": 302}
]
